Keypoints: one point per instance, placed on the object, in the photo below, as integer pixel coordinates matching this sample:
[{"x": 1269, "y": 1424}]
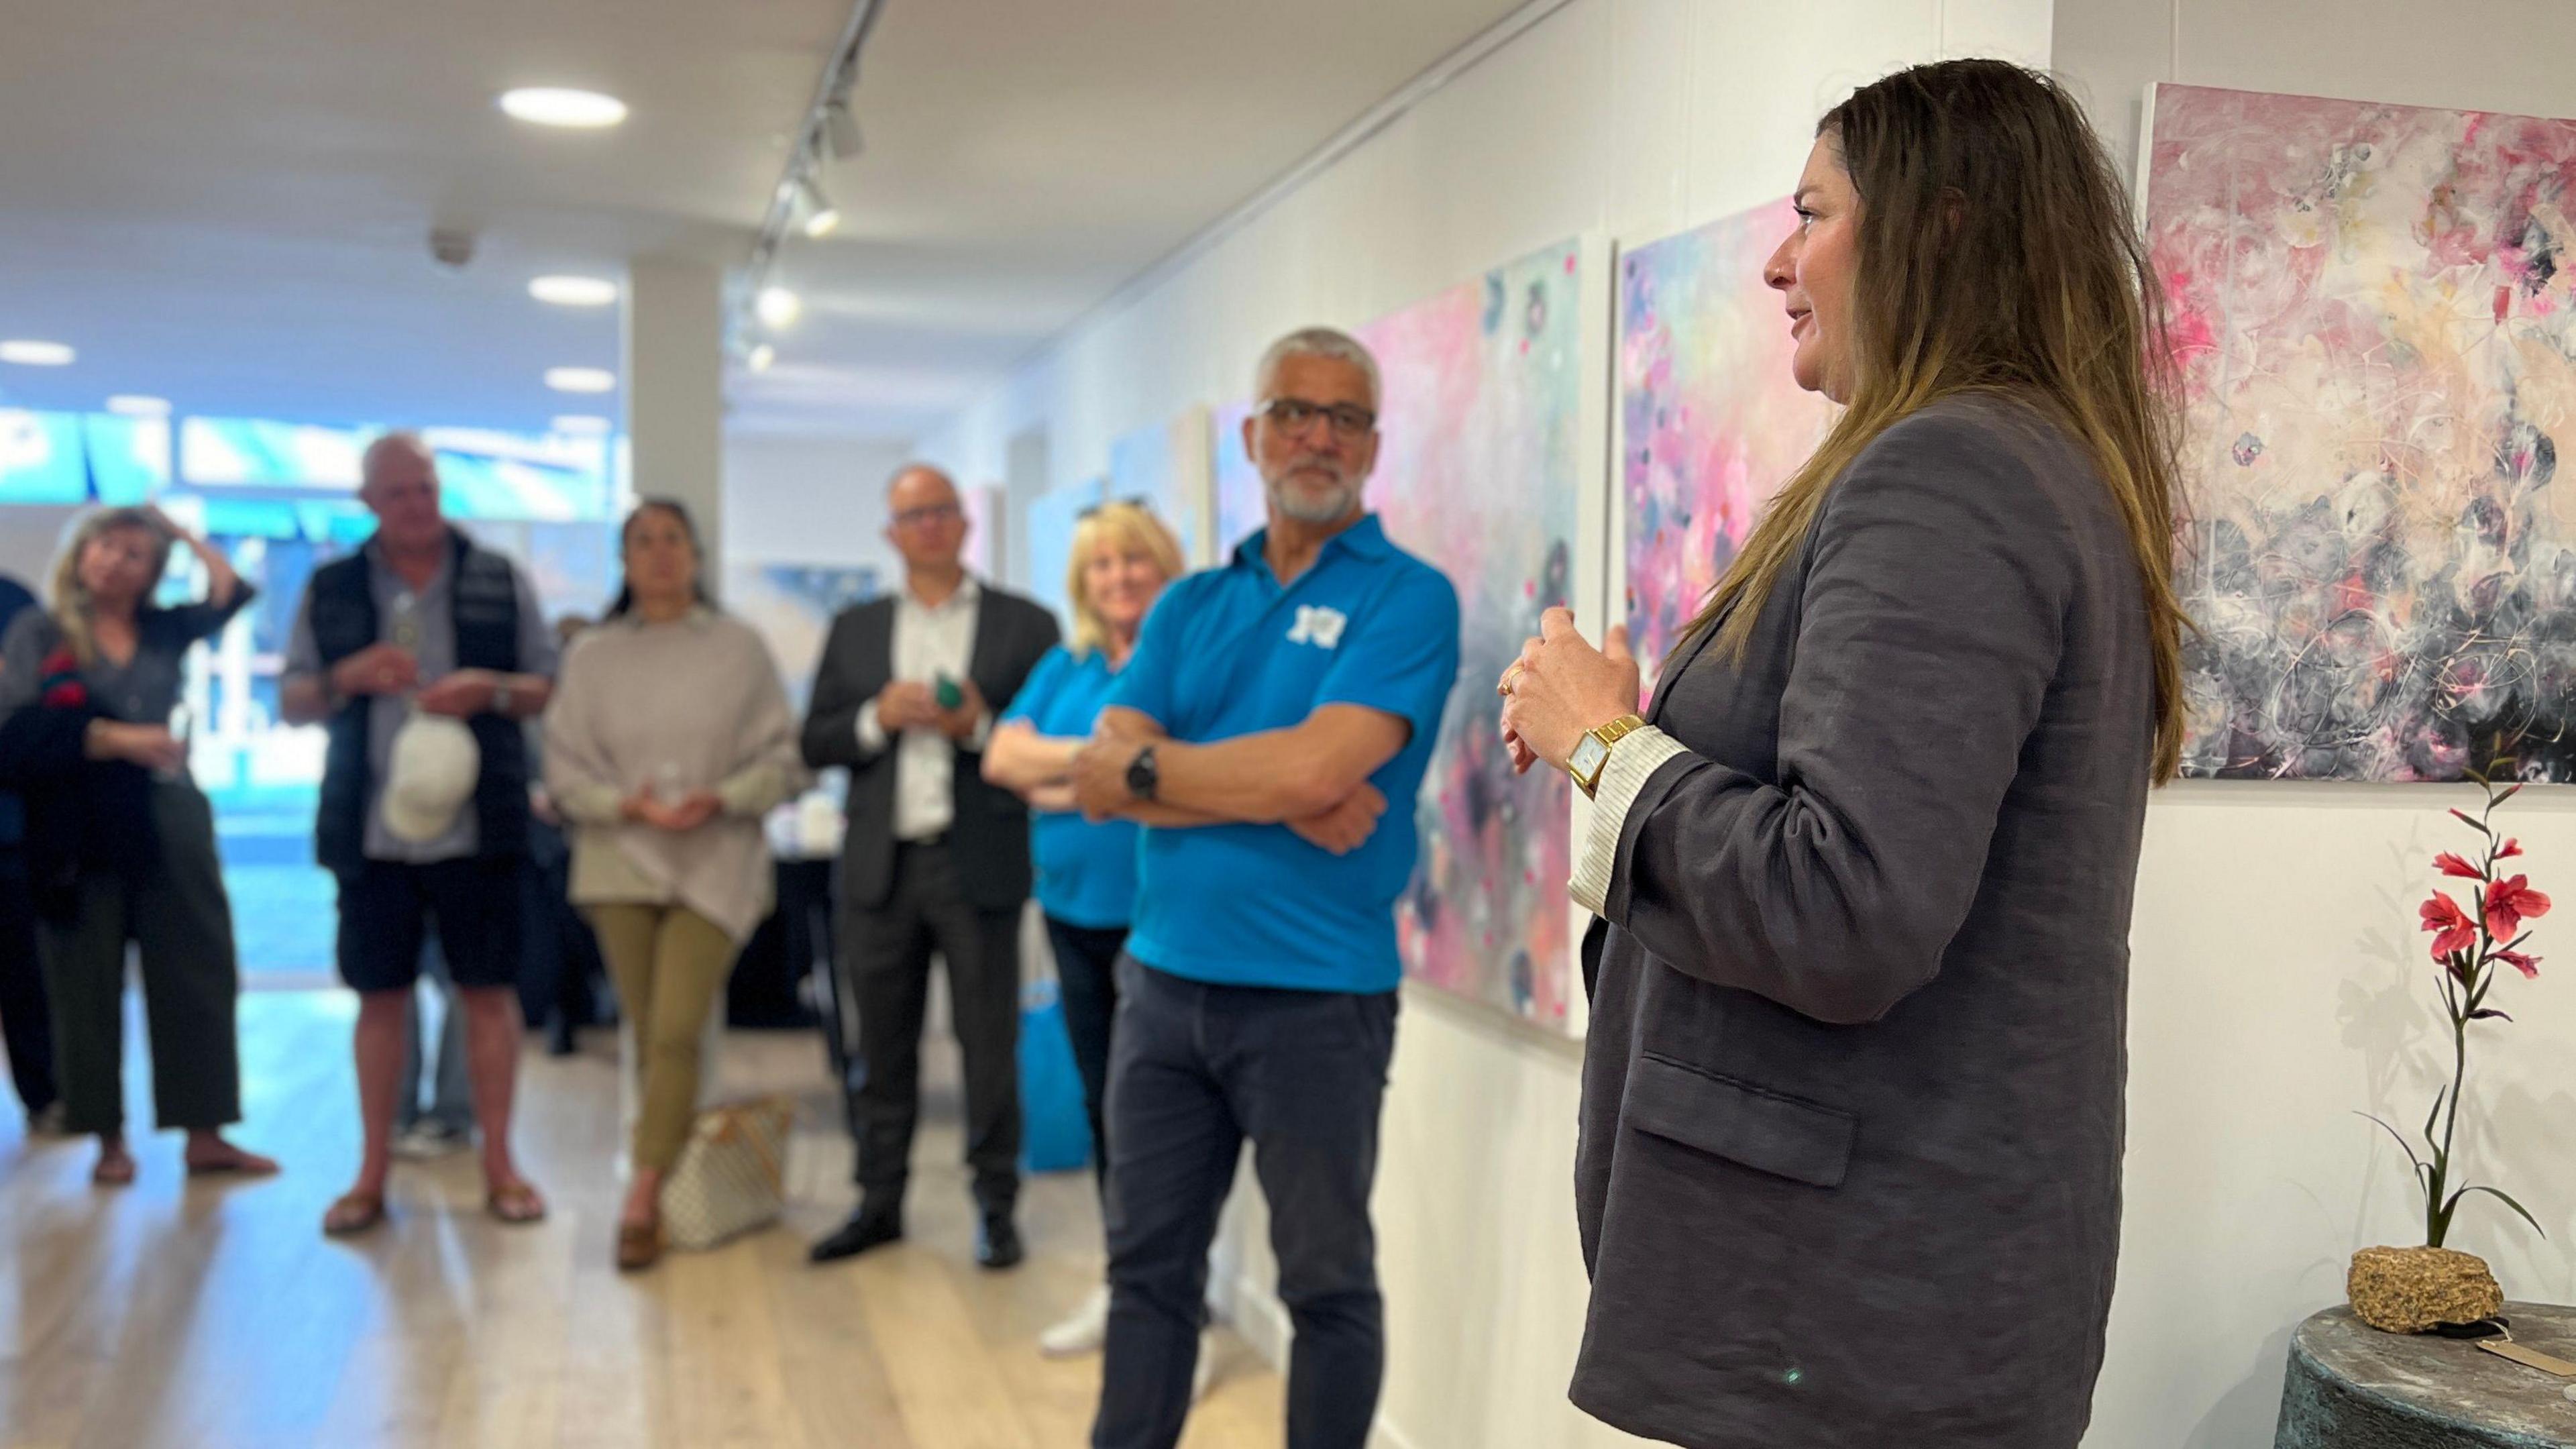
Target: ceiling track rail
[{"x": 812, "y": 149}]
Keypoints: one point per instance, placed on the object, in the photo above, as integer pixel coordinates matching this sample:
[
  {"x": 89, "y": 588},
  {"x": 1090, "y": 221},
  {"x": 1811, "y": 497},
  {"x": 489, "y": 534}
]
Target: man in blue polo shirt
[{"x": 1271, "y": 733}]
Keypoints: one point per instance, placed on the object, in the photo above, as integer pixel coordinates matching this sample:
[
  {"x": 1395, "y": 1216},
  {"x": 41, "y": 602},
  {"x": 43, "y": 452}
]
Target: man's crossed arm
[{"x": 1312, "y": 777}]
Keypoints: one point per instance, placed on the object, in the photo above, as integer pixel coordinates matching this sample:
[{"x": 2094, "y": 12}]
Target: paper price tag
[{"x": 2529, "y": 1357}]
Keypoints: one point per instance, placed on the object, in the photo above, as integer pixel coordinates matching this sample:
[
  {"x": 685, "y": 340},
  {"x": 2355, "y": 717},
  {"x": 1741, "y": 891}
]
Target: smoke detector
[{"x": 451, "y": 248}]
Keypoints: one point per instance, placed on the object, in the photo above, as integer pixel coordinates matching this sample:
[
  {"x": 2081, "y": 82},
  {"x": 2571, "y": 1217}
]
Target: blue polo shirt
[
  {"x": 1086, "y": 872},
  {"x": 1230, "y": 652}
]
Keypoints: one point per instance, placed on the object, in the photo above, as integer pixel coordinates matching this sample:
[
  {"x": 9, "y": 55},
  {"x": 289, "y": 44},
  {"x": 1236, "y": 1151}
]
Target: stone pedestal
[{"x": 2351, "y": 1386}]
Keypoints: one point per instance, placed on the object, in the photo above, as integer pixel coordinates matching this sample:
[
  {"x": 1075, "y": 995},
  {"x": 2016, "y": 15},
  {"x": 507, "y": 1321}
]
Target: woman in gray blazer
[{"x": 1849, "y": 1170}]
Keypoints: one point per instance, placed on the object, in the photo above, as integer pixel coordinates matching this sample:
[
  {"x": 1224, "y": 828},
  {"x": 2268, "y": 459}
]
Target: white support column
[{"x": 674, "y": 388}]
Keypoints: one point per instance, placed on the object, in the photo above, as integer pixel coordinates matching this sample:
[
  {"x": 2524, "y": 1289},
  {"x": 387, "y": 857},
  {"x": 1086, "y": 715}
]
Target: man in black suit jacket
[{"x": 936, "y": 859}]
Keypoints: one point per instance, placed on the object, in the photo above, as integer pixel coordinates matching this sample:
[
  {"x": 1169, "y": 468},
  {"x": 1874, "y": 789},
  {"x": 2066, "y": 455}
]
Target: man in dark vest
[{"x": 421, "y": 621}]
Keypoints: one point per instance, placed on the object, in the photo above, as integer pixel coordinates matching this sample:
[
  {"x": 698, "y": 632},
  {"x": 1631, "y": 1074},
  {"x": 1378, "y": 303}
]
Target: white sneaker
[
  {"x": 1204, "y": 1376},
  {"x": 1082, "y": 1332},
  {"x": 426, "y": 1141}
]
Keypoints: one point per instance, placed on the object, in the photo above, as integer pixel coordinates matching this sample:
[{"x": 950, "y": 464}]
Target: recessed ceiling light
[
  {"x": 27, "y": 352},
  {"x": 136, "y": 405},
  {"x": 553, "y": 106},
  {"x": 779, "y": 307},
  {"x": 574, "y": 291},
  {"x": 761, "y": 357},
  {"x": 581, "y": 379},
  {"x": 584, "y": 424}
]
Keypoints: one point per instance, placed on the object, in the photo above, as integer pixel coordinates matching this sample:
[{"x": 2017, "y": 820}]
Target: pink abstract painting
[
  {"x": 1711, "y": 421},
  {"x": 2375, "y": 321},
  {"x": 1478, "y": 474}
]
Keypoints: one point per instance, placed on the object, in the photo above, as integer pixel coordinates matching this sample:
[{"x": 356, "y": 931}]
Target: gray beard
[{"x": 1341, "y": 503}]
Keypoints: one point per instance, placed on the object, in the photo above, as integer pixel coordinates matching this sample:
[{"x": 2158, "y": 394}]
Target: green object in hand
[{"x": 947, "y": 692}]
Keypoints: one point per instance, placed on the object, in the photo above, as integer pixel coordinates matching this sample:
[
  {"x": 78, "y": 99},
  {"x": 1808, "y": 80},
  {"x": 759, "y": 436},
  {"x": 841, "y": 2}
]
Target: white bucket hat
[{"x": 432, "y": 774}]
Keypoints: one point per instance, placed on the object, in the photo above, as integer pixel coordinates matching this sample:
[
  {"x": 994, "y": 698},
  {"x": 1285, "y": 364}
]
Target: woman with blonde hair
[
  {"x": 120, "y": 842},
  {"x": 668, "y": 740},
  {"x": 1122, "y": 557},
  {"x": 1849, "y": 1168}
]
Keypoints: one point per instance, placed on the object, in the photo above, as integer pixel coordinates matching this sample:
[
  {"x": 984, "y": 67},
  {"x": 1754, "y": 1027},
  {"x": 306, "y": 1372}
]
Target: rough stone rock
[{"x": 2413, "y": 1290}]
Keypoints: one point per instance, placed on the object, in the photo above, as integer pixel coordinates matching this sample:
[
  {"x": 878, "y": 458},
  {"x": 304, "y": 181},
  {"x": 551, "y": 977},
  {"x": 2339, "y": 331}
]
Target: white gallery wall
[
  {"x": 808, "y": 500},
  {"x": 2277, "y": 983}
]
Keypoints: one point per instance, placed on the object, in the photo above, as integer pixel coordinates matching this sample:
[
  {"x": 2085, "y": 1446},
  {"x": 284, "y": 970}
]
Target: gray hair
[
  {"x": 1325, "y": 342},
  {"x": 401, "y": 440}
]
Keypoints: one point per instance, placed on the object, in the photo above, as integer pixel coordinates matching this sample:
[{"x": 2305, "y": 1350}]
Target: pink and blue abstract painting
[
  {"x": 1711, "y": 423},
  {"x": 1241, "y": 506},
  {"x": 2374, "y": 319},
  {"x": 1166, "y": 468},
  {"x": 1478, "y": 473}
]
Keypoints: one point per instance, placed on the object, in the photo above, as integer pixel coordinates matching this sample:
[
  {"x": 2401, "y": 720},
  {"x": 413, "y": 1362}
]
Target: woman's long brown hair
[{"x": 1997, "y": 254}]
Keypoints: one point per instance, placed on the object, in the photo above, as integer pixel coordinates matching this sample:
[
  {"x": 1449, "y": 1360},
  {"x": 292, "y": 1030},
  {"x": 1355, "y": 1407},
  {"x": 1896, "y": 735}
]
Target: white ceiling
[{"x": 227, "y": 202}]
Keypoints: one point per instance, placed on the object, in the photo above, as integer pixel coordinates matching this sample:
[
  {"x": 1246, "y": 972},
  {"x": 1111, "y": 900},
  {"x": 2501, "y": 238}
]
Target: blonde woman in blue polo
[{"x": 1086, "y": 871}]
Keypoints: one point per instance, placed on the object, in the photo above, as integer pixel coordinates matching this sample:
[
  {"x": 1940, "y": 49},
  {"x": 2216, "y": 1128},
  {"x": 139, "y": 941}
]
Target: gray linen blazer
[{"x": 1849, "y": 1169}]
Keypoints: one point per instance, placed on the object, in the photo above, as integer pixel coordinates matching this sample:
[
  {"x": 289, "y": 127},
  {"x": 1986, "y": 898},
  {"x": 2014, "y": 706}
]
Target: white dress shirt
[{"x": 929, "y": 640}]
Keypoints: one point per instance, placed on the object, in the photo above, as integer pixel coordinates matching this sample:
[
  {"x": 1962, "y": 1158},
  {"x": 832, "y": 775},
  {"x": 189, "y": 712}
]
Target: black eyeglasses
[
  {"x": 1292, "y": 415},
  {"x": 928, "y": 513},
  {"x": 1132, "y": 500}
]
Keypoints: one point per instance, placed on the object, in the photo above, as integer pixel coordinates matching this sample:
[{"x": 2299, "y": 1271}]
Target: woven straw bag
[{"x": 732, "y": 1177}]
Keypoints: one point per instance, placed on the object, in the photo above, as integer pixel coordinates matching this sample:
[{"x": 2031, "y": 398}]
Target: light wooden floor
[{"x": 172, "y": 1314}]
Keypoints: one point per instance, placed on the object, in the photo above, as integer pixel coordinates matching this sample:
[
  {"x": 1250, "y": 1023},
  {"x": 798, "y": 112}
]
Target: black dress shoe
[
  {"x": 863, "y": 1231},
  {"x": 560, "y": 1041},
  {"x": 998, "y": 1246}
]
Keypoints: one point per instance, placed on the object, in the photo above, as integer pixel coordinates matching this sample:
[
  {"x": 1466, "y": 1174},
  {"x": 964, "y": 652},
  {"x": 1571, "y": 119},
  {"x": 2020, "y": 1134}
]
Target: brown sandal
[
  {"x": 639, "y": 1246},
  {"x": 353, "y": 1213},
  {"x": 515, "y": 1203}
]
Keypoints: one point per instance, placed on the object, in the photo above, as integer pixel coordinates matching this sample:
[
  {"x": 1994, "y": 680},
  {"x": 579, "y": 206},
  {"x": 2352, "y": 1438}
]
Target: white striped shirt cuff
[{"x": 1636, "y": 756}]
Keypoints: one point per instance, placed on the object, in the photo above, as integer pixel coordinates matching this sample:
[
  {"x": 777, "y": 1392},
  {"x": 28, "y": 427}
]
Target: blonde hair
[
  {"x": 1123, "y": 526},
  {"x": 69, "y": 598},
  {"x": 1997, "y": 256}
]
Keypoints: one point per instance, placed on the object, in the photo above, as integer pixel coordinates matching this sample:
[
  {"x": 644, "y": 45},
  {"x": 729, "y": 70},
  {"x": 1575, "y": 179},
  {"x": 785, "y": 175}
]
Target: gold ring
[{"x": 1509, "y": 675}]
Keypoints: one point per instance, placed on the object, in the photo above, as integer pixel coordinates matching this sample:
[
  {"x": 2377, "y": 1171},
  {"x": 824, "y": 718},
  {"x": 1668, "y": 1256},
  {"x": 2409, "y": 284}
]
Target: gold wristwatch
[{"x": 1592, "y": 752}]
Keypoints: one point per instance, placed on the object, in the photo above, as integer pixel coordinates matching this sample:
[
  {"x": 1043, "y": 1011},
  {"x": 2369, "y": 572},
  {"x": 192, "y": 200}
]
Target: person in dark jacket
[
  {"x": 422, "y": 647},
  {"x": 25, "y": 1024},
  {"x": 1849, "y": 1164},
  {"x": 120, "y": 842},
  {"x": 936, "y": 858}
]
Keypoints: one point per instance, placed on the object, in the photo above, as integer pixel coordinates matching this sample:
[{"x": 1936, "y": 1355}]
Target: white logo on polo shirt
[{"x": 1318, "y": 626}]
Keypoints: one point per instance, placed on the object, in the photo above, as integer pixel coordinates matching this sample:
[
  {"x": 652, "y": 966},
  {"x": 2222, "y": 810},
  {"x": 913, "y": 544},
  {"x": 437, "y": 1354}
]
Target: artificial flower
[
  {"x": 2510, "y": 903},
  {"x": 2452, "y": 928},
  {"x": 2449, "y": 863}
]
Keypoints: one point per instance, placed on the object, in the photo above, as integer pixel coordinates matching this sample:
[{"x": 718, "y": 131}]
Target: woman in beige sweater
[{"x": 668, "y": 740}]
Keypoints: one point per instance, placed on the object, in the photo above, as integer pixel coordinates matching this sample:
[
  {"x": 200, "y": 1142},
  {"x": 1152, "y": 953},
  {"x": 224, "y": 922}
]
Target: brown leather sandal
[
  {"x": 639, "y": 1246},
  {"x": 353, "y": 1213},
  {"x": 515, "y": 1204}
]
